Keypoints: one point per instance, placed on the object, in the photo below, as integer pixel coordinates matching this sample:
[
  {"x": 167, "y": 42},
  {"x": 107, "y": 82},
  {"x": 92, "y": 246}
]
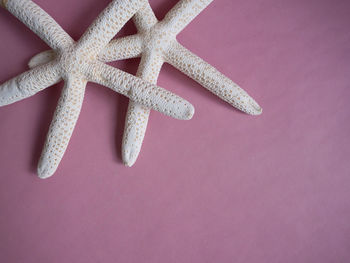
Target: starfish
[
  {"x": 156, "y": 44},
  {"x": 76, "y": 63}
]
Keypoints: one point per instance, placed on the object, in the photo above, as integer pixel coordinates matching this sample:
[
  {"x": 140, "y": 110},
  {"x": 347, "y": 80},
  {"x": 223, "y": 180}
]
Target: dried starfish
[
  {"x": 156, "y": 44},
  {"x": 76, "y": 63}
]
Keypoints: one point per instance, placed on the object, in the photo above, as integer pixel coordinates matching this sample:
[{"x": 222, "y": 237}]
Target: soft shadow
[{"x": 163, "y": 8}]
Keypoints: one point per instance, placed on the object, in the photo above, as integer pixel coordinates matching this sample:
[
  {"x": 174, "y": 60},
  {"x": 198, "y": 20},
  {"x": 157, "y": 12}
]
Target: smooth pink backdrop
[{"x": 223, "y": 187}]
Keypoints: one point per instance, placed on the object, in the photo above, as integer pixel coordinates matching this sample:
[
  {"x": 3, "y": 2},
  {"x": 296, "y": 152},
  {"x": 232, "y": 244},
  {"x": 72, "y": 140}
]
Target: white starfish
[
  {"x": 76, "y": 63},
  {"x": 156, "y": 43}
]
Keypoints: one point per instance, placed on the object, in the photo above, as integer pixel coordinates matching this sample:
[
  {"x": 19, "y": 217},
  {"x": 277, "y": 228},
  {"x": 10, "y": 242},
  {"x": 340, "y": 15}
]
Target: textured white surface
[
  {"x": 156, "y": 43},
  {"x": 159, "y": 45},
  {"x": 77, "y": 63}
]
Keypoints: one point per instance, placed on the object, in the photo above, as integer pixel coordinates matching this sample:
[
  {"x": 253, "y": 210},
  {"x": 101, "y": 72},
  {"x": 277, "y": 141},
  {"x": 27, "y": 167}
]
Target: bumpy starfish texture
[
  {"x": 76, "y": 63},
  {"x": 156, "y": 44}
]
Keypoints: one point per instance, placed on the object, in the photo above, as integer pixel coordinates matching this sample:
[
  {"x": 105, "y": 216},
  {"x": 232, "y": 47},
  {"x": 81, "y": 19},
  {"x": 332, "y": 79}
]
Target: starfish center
[{"x": 73, "y": 61}]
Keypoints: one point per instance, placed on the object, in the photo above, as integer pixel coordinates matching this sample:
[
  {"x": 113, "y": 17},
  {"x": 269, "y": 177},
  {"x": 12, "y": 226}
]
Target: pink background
[{"x": 223, "y": 187}]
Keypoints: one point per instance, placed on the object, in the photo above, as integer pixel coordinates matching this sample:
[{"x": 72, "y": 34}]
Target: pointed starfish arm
[
  {"x": 42, "y": 58},
  {"x": 62, "y": 126},
  {"x": 107, "y": 25},
  {"x": 183, "y": 13},
  {"x": 39, "y": 22},
  {"x": 137, "y": 115},
  {"x": 210, "y": 78},
  {"x": 140, "y": 91},
  {"x": 145, "y": 18},
  {"x": 29, "y": 83}
]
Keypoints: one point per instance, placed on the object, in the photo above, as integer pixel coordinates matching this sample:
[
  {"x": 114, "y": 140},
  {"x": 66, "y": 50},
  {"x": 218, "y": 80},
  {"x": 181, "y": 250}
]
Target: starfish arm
[
  {"x": 145, "y": 18},
  {"x": 62, "y": 126},
  {"x": 107, "y": 25},
  {"x": 29, "y": 83},
  {"x": 39, "y": 22},
  {"x": 183, "y": 13},
  {"x": 42, "y": 58},
  {"x": 211, "y": 79},
  {"x": 122, "y": 48},
  {"x": 118, "y": 49},
  {"x": 137, "y": 115},
  {"x": 140, "y": 91}
]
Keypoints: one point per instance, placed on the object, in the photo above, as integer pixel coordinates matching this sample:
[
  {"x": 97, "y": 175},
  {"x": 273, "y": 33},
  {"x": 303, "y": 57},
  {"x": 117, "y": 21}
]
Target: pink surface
[{"x": 223, "y": 187}]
